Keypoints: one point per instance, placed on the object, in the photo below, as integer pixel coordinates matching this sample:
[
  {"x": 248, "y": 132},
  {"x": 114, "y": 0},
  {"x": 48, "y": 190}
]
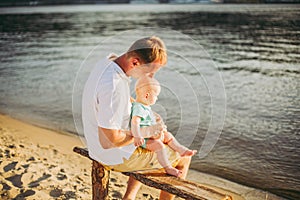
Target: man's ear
[{"x": 135, "y": 62}]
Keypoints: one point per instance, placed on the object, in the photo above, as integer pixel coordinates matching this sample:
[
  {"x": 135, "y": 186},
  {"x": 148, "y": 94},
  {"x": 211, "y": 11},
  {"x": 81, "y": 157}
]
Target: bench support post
[{"x": 100, "y": 181}]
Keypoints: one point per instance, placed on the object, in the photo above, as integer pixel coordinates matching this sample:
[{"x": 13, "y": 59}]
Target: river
[{"x": 230, "y": 88}]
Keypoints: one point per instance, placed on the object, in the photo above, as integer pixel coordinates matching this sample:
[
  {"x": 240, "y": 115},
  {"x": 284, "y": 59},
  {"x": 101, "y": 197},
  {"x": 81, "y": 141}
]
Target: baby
[{"x": 147, "y": 89}]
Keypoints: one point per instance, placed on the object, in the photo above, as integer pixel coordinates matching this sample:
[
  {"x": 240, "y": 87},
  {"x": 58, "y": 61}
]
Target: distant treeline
[
  {"x": 261, "y": 1},
  {"x": 64, "y": 2},
  {"x": 56, "y": 2}
]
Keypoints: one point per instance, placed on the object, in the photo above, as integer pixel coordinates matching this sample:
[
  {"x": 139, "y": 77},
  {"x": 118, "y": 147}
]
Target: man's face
[{"x": 145, "y": 69}]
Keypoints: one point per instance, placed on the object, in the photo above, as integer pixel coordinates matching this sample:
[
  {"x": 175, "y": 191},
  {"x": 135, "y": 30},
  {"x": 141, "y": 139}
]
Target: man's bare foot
[
  {"x": 173, "y": 171},
  {"x": 189, "y": 152}
]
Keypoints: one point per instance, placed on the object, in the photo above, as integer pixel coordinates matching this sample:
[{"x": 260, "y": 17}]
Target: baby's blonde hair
[{"x": 146, "y": 84}]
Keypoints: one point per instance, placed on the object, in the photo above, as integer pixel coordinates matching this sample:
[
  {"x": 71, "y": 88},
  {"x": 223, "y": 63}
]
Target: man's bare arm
[{"x": 110, "y": 138}]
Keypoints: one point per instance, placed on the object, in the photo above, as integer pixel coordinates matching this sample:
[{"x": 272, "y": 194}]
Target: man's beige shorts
[{"x": 143, "y": 159}]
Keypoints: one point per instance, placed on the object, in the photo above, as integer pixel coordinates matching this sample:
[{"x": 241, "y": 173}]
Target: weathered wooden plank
[
  {"x": 154, "y": 178},
  {"x": 180, "y": 187},
  {"x": 82, "y": 151}
]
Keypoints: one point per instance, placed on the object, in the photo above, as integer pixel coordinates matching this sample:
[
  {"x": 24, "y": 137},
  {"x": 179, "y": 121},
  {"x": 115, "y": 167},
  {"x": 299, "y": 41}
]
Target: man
[{"x": 106, "y": 107}]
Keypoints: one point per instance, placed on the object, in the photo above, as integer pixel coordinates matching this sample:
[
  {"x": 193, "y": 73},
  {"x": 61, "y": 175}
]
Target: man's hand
[
  {"x": 158, "y": 118},
  {"x": 138, "y": 141},
  {"x": 158, "y": 128},
  {"x": 153, "y": 130}
]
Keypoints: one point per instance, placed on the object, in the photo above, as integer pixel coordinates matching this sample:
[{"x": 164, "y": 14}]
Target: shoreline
[
  {"x": 37, "y": 163},
  {"x": 136, "y": 7}
]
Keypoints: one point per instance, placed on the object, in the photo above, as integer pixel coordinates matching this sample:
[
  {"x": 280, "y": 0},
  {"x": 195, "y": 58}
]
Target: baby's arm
[{"x": 135, "y": 130}]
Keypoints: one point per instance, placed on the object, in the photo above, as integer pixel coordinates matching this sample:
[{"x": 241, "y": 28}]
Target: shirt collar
[{"x": 119, "y": 70}]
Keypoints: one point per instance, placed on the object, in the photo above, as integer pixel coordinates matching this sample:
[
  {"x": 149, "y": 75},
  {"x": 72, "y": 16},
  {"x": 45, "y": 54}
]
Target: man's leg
[
  {"x": 183, "y": 165},
  {"x": 132, "y": 189}
]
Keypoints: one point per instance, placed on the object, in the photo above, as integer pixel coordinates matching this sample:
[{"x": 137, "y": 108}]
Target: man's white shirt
[{"x": 106, "y": 103}]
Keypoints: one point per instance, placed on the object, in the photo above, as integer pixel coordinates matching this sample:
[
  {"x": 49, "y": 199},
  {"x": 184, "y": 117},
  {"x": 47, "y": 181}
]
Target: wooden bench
[{"x": 153, "y": 178}]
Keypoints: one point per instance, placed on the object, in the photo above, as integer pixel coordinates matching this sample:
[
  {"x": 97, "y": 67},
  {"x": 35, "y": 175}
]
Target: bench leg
[{"x": 100, "y": 181}]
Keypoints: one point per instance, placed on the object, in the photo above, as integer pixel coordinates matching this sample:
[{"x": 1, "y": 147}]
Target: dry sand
[{"x": 37, "y": 163}]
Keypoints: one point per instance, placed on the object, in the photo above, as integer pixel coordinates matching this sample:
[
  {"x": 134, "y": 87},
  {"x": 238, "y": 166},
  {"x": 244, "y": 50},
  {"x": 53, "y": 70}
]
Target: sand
[{"x": 37, "y": 163}]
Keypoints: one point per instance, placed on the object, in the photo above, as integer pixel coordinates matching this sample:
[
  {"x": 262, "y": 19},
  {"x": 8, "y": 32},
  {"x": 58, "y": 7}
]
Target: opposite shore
[
  {"x": 37, "y": 163},
  {"x": 101, "y": 2}
]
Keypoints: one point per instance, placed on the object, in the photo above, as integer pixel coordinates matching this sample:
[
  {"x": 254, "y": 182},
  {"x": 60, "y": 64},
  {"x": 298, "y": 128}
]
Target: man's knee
[
  {"x": 184, "y": 162},
  {"x": 168, "y": 137}
]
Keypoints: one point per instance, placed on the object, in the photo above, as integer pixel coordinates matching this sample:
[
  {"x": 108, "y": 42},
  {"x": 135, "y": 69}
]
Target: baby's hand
[{"x": 138, "y": 141}]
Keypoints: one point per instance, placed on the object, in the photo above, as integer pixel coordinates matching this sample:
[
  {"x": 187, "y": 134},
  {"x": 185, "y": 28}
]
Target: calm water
[{"x": 254, "y": 48}]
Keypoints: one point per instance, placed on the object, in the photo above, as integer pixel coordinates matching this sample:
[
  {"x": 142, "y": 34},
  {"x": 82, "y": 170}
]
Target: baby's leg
[
  {"x": 158, "y": 147},
  {"x": 170, "y": 140}
]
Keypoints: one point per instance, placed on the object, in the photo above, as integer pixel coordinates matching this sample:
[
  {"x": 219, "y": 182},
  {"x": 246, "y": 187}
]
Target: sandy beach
[{"x": 37, "y": 163}]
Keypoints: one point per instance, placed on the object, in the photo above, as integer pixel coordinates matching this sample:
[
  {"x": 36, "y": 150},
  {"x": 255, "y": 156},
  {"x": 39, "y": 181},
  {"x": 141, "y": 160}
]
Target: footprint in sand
[
  {"x": 117, "y": 194},
  {"x": 10, "y": 166},
  {"x": 56, "y": 192},
  {"x": 5, "y": 186},
  {"x": 22, "y": 195},
  {"x": 16, "y": 180},
  {"x": 61, "y": 176},
  {"x": 37, "y": 182}
]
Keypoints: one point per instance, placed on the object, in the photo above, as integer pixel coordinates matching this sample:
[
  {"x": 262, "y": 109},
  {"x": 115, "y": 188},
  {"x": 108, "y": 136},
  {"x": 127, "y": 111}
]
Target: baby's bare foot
[
  {"x": 189, "y": 152},
  {"x": 173, "y": 171}
]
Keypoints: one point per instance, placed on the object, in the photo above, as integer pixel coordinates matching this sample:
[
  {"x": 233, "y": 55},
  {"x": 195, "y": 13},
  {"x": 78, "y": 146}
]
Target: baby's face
[
  {"x": 148, "y": 94},
  {"x": 152, "y": 96}
]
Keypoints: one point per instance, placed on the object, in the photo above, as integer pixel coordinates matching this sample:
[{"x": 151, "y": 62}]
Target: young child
[{"x": 147, "y": 89}]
